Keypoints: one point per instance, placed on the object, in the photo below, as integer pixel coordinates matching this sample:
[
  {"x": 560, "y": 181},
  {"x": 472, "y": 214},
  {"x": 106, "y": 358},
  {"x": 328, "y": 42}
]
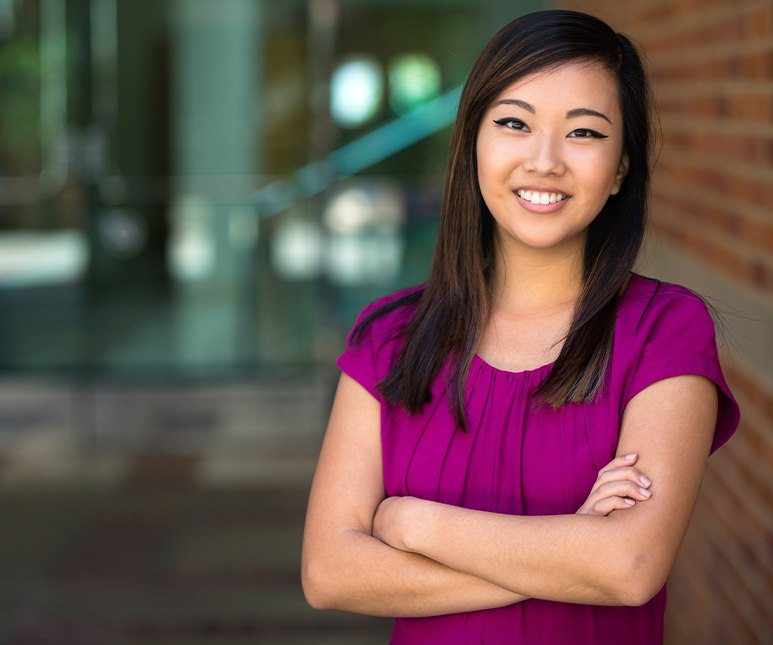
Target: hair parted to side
[{"x": 453, "y": 307}]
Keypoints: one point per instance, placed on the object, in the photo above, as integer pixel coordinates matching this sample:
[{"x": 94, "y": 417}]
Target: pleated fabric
[{"x": 519, "y": 459}]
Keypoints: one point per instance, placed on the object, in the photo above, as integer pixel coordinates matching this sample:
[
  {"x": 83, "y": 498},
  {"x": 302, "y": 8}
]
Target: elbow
[
  {"x": 641, "y": 581},
  {"x": 637, "y": 597},
  {"x": 325, "y": 577},
  {"x": 312, "y": 584}
]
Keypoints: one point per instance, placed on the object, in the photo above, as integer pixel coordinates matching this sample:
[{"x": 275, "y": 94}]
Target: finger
[
  {"x": 620, "y": 460},
  {"x": 620, "y": 474},
  {"x": 623, "y": 488},
  {"x": 604, "y": 504},
  {"x": 609, "y": 504},
  {"x": 616, "y": 489}
]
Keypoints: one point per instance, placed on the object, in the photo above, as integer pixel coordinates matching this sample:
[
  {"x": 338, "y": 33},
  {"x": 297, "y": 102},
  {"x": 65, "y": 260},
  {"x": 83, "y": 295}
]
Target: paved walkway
[
  {"x": 162, "y": 514},
  {"x": 161, "y": 564}
]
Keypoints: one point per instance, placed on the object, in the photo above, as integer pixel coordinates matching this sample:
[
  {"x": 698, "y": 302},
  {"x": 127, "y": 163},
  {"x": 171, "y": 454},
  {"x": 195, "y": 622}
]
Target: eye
[
  {"x": 507, "y": 120},
  {"x": 519, "y": 126},
  {"x": 593, "y": 134}
]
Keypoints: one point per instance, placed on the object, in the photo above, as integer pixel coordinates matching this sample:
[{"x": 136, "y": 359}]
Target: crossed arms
[{"x": 433, "y": 558}]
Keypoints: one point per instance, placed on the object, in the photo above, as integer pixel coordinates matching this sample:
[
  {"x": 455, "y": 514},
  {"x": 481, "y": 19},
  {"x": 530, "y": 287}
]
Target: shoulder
[
  {"x": 649, "y": 304},
  {"x": 663, "y": 329},
  {"x": 667, "y": 330},
  {"x": 373, "y": 338},
  {"x": 389, "y": 312},
  {"x": 645, "y": 290}
]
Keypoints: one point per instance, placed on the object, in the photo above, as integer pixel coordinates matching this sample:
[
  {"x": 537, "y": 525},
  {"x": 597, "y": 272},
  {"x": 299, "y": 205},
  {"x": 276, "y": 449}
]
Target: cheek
[
  {"x": 593, "y": 169},
  {"x": 494, "y": 165}
]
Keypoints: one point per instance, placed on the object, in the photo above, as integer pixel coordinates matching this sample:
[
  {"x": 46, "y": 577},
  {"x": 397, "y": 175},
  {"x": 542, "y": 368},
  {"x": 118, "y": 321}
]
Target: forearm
[
  {"x": 565, "y": 558},
  {"x": 373, "y": 578}
]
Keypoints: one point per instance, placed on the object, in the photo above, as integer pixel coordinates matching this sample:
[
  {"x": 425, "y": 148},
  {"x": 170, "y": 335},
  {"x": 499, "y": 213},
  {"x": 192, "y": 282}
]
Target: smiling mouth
[
  {"x": 559, "y": 196},
  {"x": 550, "y": 207}
]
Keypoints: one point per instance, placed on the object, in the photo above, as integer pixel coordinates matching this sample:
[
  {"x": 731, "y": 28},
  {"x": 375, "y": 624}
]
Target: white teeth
[{"x": 541, "y": 198}]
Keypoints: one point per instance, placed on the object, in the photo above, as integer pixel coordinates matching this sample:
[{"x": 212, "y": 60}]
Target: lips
[{"x": 540, "y": 208}]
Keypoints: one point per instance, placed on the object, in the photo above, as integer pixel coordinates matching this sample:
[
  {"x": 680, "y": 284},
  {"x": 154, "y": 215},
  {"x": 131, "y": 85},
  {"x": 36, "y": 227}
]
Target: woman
[{"x": 473, "y": 482}]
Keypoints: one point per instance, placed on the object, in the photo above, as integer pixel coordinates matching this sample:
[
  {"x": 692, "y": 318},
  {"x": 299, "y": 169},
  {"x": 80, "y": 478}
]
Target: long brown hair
[{"x": 455, "y": 303}]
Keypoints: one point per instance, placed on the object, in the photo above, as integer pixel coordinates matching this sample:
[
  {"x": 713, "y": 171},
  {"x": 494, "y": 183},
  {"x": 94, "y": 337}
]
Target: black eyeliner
[{"x": 594, "y": 135}]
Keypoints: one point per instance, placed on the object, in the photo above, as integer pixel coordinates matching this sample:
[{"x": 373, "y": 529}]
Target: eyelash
[{"x": 593, "y": 133}]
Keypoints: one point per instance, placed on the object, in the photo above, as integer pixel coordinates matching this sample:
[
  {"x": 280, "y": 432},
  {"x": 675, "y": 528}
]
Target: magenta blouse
[{"x": 519, "y": 460}]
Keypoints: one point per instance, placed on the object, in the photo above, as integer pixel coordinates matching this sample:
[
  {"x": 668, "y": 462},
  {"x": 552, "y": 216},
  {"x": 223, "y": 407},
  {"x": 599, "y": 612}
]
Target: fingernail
[
  {"x": 630, "y": 502},
  {"x": 645, "y": 481},
  {"x": 631, "y": 456},
  {"x": 645, "y": 492}
]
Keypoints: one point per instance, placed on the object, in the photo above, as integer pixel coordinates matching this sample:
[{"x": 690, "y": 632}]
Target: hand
[
  {"x": 391, "y": 521},
  {"x": 617, "y": 482}
]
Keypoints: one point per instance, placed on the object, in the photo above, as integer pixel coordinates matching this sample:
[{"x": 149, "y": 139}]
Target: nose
[{"x": 544, "y": 155}]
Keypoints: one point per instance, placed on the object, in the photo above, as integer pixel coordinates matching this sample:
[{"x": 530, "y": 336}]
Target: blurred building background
[{"x": 198, "y": 196}]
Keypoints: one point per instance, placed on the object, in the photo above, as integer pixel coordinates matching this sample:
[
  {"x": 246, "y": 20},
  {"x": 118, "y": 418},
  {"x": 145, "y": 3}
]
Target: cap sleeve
[
  {"x": 358, "y": 360},
  {"x": 677, "y": 336}
]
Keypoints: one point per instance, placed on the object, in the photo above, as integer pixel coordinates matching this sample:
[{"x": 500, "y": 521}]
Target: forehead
[{"x": 565, "y": 87}]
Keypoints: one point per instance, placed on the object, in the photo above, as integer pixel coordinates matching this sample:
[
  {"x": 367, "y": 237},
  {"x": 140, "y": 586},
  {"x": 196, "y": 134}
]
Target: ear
[{"x": 621, "y": 173}]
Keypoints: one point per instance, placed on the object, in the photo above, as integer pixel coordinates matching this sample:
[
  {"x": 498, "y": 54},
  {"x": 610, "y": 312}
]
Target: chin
[
  {"x": 544, "y": 237},
  {"x": 537, "y": 241}
]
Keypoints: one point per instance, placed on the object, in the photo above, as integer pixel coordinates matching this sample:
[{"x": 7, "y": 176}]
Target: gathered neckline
[{"x": 540, "y": 368}]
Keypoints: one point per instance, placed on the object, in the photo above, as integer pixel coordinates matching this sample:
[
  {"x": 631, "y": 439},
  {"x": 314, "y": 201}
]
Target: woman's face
[{"x": 541, "y": 147}]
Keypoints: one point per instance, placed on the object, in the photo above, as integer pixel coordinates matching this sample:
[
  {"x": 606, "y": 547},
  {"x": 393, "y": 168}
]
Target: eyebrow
[{"x": 569, "y": 115}]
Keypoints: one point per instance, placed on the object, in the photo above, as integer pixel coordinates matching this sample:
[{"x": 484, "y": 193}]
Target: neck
[{"x": 534, "y": 284}]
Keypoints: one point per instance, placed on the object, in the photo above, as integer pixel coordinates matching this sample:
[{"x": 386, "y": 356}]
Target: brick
[
  {"x": 753, "y": 106},
  {"x": 756, "y": 233},
  {"x": 731, "y": 183},
  {"x": 746, "y": 148},
  {"x": 711, "y": 66},
  {"x": 732, "y": 29},
  {"x": 751, "y": 65}
]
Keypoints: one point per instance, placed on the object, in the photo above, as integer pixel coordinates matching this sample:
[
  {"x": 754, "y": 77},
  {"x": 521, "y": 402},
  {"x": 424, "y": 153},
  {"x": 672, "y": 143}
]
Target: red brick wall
[{"x": 712, "y": 70}]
